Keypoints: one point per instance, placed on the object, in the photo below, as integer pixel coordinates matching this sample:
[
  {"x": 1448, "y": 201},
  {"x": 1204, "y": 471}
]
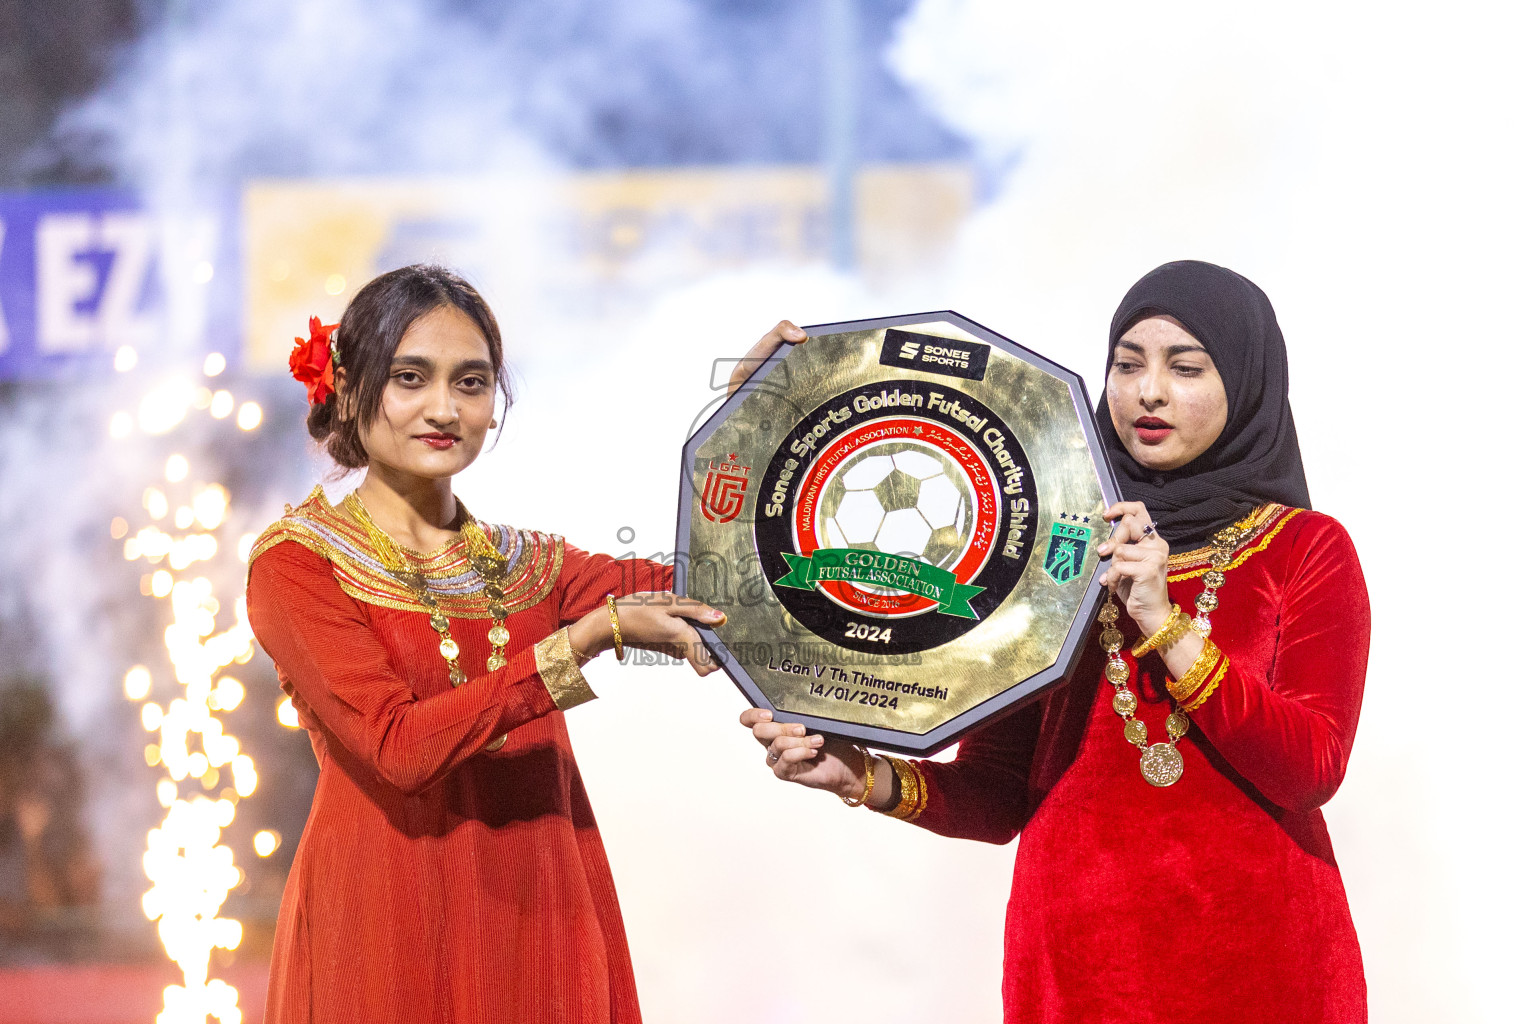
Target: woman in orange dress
[{"x": 451, "y": 869}]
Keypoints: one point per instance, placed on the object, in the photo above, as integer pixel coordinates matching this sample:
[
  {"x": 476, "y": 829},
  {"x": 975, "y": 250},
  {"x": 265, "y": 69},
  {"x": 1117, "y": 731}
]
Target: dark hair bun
[{"x": 343, "y": 445}]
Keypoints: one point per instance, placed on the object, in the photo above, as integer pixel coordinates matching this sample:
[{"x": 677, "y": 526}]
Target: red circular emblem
[{"x": 951, "y": 516}]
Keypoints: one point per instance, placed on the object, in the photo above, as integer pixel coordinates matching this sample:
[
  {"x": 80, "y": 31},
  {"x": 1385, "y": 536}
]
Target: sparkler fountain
[{"x": 206, "y": 773}]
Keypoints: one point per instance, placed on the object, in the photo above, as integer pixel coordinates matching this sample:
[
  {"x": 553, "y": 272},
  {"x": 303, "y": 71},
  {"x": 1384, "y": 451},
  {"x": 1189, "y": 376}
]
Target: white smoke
[{"x": 226, "y": 90}]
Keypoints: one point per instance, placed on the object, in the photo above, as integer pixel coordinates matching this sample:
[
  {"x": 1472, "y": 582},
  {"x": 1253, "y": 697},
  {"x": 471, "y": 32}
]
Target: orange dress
[{"x": 437, "y": 881}]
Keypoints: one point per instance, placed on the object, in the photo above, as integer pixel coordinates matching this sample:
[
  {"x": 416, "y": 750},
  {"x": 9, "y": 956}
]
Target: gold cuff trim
[
  {"x": 1187, "y": 685},
  {"x": 1210, "y": 687},
  {"x": 562, "y": 676}
]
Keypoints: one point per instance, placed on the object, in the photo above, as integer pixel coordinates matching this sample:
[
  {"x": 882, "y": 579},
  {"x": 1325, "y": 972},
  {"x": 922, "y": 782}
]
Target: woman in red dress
[
  {"x": 1173, "y": 864},
  {"x": 450, "y": 869}
]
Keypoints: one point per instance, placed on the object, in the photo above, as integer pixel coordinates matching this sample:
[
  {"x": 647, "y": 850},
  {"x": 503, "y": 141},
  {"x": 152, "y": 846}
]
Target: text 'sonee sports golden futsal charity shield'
[{"x": 901, "y": 518}]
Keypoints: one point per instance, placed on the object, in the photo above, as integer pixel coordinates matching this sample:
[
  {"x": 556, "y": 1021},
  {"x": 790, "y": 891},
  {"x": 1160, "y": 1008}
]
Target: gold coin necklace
[
  {"x": 1161, "y": 763},
  {"x": 1221, "y": 557},
  {"x": 492, "y": 569},
  {"x": 487, "y": 563}
]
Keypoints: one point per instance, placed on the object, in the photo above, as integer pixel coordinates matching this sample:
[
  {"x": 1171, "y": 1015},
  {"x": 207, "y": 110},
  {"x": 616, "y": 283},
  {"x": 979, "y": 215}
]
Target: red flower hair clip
[{"x": 313, "y": 362}]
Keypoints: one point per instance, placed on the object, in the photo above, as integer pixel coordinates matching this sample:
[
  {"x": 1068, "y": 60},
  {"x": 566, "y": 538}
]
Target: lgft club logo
[{"x": 725, "y": 490}]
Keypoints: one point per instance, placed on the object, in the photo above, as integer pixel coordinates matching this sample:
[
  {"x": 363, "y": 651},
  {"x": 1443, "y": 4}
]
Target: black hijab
[{"x": 1257, "y": 458}]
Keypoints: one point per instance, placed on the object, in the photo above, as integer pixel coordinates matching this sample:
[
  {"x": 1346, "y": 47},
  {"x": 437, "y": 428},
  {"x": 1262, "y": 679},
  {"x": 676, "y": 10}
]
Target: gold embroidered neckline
[{"x": 533, "y": 561}]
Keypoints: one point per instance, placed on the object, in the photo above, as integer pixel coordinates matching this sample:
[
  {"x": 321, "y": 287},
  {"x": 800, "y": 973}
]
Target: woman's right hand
[
  {"x": 815, "y": 761},
  {"x": 783, "y": 332}
]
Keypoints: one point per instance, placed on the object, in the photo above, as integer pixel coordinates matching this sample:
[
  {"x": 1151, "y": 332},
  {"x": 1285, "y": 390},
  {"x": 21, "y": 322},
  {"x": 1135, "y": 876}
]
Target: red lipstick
[
  {"x": 441, "y": 442},
  {"x": 1152, "y": 430}
]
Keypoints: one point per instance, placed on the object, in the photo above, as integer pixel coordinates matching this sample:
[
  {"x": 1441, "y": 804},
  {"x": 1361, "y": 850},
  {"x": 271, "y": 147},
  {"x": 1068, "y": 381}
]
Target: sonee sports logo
[{"x": 933, "y": 354}]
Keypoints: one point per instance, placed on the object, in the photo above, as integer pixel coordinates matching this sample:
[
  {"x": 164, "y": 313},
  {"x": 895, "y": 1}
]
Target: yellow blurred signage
[{"x": 573, "y": 250}]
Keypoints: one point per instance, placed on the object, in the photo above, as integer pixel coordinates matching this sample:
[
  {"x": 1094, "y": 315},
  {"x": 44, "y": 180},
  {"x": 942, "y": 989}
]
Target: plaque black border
[{"x": 1030, "y": 688}]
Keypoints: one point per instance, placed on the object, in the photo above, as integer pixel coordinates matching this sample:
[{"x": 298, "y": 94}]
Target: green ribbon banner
[{"x": 898, "y": 572}]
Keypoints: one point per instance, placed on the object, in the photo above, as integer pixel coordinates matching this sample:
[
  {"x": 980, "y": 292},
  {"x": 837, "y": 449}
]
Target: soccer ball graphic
[{"x": 899, "y": 498}]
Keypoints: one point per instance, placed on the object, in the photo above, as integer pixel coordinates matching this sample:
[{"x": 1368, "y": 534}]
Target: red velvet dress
[
  {"x": 1218, "y": 898},
  {"x": 436, "y": 881}
]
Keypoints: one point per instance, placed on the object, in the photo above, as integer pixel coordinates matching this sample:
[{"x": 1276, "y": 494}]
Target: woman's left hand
[{"x": 1138, "y": 570}]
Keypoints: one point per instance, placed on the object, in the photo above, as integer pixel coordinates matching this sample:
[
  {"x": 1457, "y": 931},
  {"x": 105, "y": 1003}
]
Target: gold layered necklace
[
  {"x": 488, "y": 563},
  {"x": 1161, "y": 763}
]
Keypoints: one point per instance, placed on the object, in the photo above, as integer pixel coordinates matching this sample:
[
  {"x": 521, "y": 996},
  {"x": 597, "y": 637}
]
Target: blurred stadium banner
[
  {"x": 86, "y": 272},
  {"x": 565, "y": 254}
]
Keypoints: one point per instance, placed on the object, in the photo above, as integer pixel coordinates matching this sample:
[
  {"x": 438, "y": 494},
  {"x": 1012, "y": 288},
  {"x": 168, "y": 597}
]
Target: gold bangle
[
  {"x": 1173, "y": 627},
  {"x": 613, "y": 620},
  {"x": 1188, "y": 684},
  {"x": 869, "y": 779},
  {"x": 1210, "y": 688},
  {"x": 910, "y": 788}
]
